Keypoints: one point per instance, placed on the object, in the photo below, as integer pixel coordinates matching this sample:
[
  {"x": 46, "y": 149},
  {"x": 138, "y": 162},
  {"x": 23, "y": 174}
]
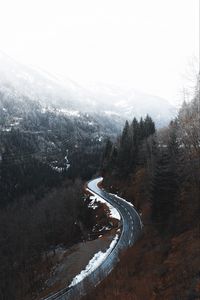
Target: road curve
[
  {"x": 131, "y": 222},
  {"x": 131, "y": 229}
]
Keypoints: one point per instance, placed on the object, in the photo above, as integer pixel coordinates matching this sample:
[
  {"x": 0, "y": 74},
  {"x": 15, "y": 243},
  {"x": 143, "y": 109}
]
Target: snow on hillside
[{"x": 19, "y": 81}]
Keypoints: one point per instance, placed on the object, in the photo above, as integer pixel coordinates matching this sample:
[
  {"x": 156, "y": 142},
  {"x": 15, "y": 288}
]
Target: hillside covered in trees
[
  {"x": 159, "y": 172},
  {"x": 46, "y": 155},
  {"x": 99, "y": 106}
]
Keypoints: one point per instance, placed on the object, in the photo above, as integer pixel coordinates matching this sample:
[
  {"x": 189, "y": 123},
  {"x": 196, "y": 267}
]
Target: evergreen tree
[
  {"x": 135, "y": 132},
  {"x": 149, "y": 126},
  {"x": 128, "y": 153},
  {"x": 125, "y": 135},
  {"x": 107, "y": 155},
  {"x": 142, "y": 133},
  {"x": 108, "y": 149},
  {"x": 124, "y": 149},
  {"x": 164, "y": 189}
]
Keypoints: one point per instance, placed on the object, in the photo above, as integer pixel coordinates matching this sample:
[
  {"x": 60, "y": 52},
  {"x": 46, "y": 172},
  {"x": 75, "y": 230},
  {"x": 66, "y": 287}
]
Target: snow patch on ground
[
  {"x": 94, "y": 263},
  {"x": 111, "y": 113},
  {"x": 93, "y": 203},
  {"x": 68, "y": 112},
  {"x": 113, "y": 211}
]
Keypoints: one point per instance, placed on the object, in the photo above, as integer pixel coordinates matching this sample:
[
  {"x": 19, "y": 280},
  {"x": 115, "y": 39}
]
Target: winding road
[{"x": 131, "y": 229}]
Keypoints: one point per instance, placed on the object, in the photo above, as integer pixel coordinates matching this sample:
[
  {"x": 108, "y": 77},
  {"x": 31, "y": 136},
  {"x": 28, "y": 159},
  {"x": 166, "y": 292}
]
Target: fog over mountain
[{"x": 23, "y": 82}]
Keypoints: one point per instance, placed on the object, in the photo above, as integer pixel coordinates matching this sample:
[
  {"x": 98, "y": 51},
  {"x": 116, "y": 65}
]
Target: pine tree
[
  {"x": 124, "y": 150},
  {"x": 134, "y": 129},
  {"x": 142, "y": 129},
  {"x": 128, "y": 153},
  {"x": 107, "y": 155},
  {"x": 164, "y": 189},
  {"x": 149, "y": 126}
]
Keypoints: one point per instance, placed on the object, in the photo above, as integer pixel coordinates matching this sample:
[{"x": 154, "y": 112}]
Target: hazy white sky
[{"x": 145, "y": 43}]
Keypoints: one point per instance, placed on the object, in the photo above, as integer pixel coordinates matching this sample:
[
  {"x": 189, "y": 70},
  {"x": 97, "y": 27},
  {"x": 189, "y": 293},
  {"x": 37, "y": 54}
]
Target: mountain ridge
[{"x": 107, "y": 99}]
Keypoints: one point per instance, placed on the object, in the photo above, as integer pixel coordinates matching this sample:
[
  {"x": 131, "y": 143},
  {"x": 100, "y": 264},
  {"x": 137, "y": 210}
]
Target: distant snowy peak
[
  {"x": 128, "y": 103},
  {"x": 17, "y": 80}
]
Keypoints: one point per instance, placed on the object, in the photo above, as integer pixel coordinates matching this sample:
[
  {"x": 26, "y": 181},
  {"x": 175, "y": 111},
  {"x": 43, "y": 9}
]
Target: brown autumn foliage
[
  {"x": 156, "y": 267},
  {"x": 154, "y": 270},
  {"x": 162, "y": 265}
]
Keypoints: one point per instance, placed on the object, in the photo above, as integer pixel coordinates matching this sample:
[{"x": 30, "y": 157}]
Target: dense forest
[
  {"x": 45, "y": 157},
  {"x": 99, "y": 150},
  {"x": 169, "y": 159},
  {"x": 30, "y": 229},
  {"x": 159, "y": 172}
]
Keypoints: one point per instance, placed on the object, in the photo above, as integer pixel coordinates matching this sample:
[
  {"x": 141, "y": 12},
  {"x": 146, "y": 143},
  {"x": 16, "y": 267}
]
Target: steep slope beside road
[{"x": 131, "y": 229}]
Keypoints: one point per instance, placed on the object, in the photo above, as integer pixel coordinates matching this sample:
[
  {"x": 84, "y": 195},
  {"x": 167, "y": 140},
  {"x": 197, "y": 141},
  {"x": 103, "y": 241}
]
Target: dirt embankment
[{"x": 67, "y": 263}]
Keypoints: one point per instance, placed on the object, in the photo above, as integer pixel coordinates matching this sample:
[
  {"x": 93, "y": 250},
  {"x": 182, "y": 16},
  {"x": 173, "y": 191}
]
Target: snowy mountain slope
[
  {"x": 37, "y": 85},
  {"x": 128, "y": 102},
  {"x": 23, "y": 82}
]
